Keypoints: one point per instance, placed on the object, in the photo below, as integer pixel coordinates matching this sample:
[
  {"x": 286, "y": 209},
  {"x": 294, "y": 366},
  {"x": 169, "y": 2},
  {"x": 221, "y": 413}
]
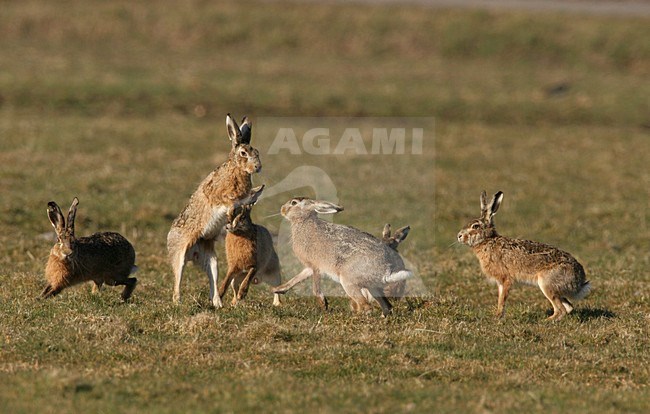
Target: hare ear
[
  {"x": 72, "y": 213},
  {"x": 252, "y": 197},
  {"x": 484, "y": 202},
  {"x": 255, "y": 194},
  {"x": 325, "y": 207},
  {"x": 56, "y": 218},
  {"x": 230, "y": 213},
  {"x": 385, "y": 234},
  {"x": 400, "y": 234},
  {"x": 495, "y": 203},
  {"x": 234, "y": 134},
  {"x": 246, "y": 129}
]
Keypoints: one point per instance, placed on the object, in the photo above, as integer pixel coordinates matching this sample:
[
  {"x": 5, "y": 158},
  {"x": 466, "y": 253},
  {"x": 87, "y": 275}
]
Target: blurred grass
[{"x": 122, "y": 105}]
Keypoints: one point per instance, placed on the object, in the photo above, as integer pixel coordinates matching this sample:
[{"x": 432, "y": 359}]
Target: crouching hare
[
  {"x": 249, "y": 250},
  {"x": 559, "y": 276},
  {"x": 102, "y": 257},
  {"x": 355, "y": 259}
]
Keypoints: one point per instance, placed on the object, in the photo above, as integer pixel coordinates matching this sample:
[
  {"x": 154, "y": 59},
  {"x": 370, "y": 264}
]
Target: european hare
[
  {"x": 560, "y": 277},
  {"x": 357, "y": 260},
  {"x": 391, "y": 290},
  {"x": 193, "y": 234},
  {"x": 250, "y": 252},
  {"x": 102, "y": 257}
]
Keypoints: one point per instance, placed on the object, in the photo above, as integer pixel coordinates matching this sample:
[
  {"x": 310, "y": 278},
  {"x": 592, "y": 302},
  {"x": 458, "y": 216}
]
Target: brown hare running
[
  {"x": 355, "y": 259},
  {"x": 102, "y": 257},
  {"x": 194, "y": 232},
  {"x": 560, "y": 277},
  {"x": 249, "y": 250}
]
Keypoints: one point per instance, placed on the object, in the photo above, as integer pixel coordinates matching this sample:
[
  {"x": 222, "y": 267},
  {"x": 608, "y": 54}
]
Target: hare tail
[
  {"x": 583, "y": 292},
  {"x": 397, "y": 276}
]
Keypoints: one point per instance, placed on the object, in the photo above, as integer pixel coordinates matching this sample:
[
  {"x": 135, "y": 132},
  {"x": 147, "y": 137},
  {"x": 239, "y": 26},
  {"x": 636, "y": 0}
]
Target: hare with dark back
[
  {"x": 558, "y": 274},
  {"x": 194, "y": 232},
  {"x": 102, "y": 257},
  {"x": 250, "y": 252}
]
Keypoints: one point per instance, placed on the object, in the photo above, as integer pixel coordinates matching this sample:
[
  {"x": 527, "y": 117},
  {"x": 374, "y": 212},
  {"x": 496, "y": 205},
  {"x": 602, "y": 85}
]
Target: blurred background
[{"x": 123, "y": 103}]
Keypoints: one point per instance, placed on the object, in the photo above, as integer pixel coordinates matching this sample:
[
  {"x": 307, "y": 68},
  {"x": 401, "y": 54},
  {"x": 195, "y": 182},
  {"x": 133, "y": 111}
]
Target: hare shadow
[{"x": 587, "y": 314}]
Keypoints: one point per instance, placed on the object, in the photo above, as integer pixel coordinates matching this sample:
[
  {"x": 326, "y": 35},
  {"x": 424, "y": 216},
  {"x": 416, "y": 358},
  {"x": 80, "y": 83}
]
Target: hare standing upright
[
  {"x": 354, "y": 258},
  {"x": 250, "y": 252},
  {"x": 102, "y": 257},
  {"x": 560, "y": 277},
  {"x": 194, "y": 232}
]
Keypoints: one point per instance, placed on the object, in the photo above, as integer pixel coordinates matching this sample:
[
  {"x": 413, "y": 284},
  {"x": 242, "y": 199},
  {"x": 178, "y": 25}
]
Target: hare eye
[
  {"x": 294, "y": 202},
  {"x": 243, "y": 153},
  {"x": 475, "y": 226}
]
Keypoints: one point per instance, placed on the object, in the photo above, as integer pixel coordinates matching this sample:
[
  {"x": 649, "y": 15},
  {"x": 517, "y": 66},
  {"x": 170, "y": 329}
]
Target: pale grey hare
[
  {"x": 558, "y": 274},
  {"x": 194, "y": 232},
  {"x": 355, "y": 259},
  {"x": 102, "y": 257},
  {"x": 250, "y": 252}
]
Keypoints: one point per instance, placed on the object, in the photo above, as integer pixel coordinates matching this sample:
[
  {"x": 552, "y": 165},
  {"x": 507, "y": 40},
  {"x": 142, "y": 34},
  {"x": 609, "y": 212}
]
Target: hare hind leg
[
  {"x": 378, "y": 294},
  {"x": 568, "y": 306},
  {"x": 206, "y": 258},
  {"x": 559, "y": 310},
  {"x": 358, "y": 300},
  {"x": 49, "y": 291},
  {"x": 243, "y": 287},
  {"x": 178, "y": 260},
  {"x": 129, "y": 286}
]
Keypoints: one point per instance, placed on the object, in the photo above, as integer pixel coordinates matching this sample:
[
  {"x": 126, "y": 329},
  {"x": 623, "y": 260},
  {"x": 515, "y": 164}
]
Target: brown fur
[
  {"x": 193, "y": 234},
  {"x": 250, "y": 252},
  {"x": 507, "y": 261},
  {"x": 102, "y": 257}
]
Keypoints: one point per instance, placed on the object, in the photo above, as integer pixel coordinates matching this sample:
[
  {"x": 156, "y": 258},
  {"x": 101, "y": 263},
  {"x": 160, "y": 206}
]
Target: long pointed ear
[
  {"x": 484, "y": 202},
  {"x": 72, "y": 213},
  {"x": 495, "y": 203},
  {"x": 400, "y": 234},
  {"x": 325, "y": 207},
  {"x": 56, "y": 218},
  {"x": 255, "y": 194},
  {"x": 234, "y": 134},
  {"x": 385, "y": 234},
  {"x": 246, "y": 129}
]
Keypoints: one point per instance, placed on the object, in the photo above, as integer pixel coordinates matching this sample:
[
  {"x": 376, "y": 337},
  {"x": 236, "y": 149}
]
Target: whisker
[{"x": 272, "y": 215}]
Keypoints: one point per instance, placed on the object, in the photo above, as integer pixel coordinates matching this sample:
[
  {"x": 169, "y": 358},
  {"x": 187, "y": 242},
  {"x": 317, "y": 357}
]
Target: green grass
[{"x": 123, "y": 105}]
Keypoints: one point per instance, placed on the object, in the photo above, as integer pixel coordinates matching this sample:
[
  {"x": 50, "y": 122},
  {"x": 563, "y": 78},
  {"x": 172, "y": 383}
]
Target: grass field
[{"x": 123, "y": 106}]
